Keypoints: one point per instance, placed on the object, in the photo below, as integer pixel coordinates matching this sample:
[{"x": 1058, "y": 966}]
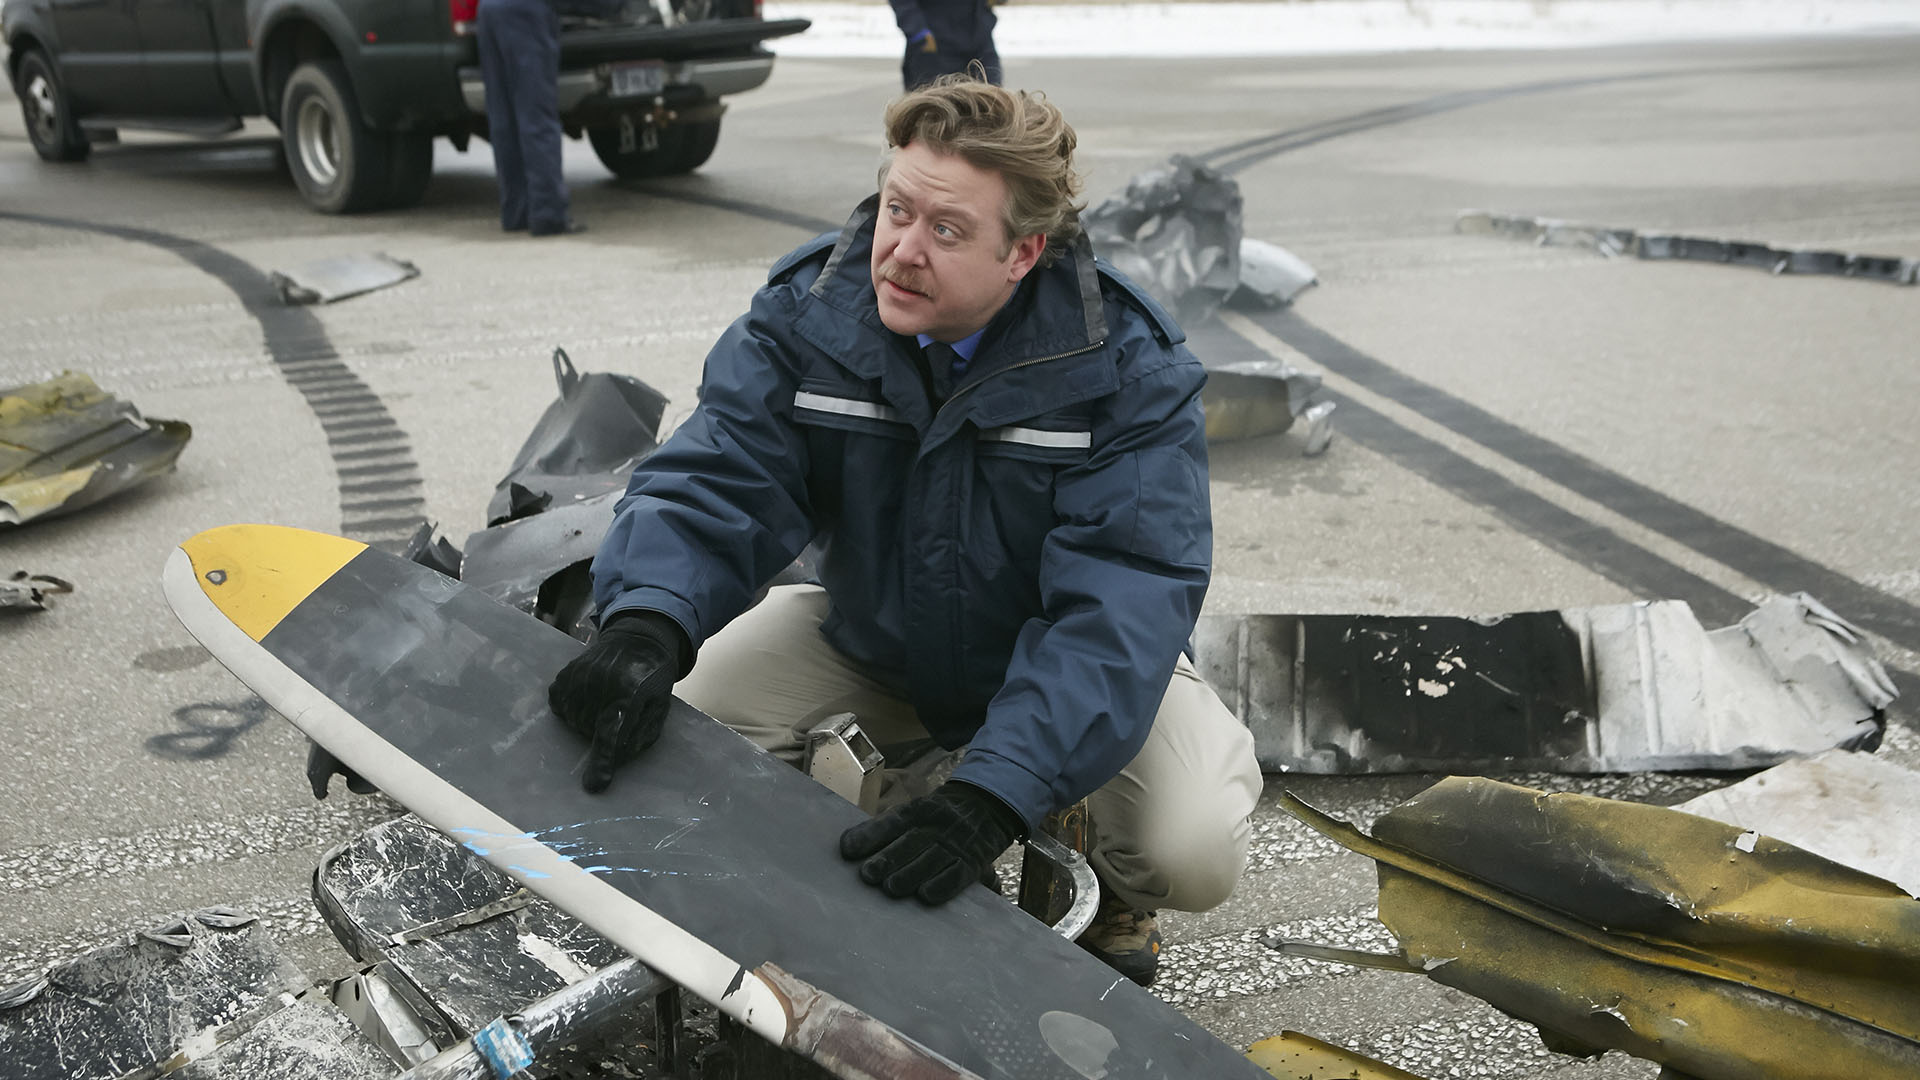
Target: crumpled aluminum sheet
[
  {"x": 1270, "y": 275},
  {"x": 1614, "y": 241},
  {"x": 1855, "y": 809},
  {"x": 1621, "y": 688},
  {"x": 66, "y": 444},
  {"x": 1252, "y": 398},
  {"x": 324, "y": 281},
  {"x": 585, "y": 444},
  {"x": 1175, "y": 230},
  {"x": 123, "y": 1008},
  {"x": 28, "y": 592}
]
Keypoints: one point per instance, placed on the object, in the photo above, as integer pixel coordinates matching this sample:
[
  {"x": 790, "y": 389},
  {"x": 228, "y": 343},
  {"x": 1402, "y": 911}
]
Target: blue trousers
[
  {"x": 520, "y": 66},
  {"x": 919, "y": 68}
]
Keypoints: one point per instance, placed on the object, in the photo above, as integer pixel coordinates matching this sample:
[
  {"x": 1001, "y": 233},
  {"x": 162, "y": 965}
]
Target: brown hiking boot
[{"x": 1125, "y": 939}]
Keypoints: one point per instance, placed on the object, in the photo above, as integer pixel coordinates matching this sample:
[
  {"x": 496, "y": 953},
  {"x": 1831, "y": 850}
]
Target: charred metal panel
[
  {"x": 558, "y": 1019},
  {"x": 511, "y": 561},
  {"x": 473, "y": 942},
  {"x": 1614, "y": 241},
  {"x": 323, "y": 281},
  {"x": 1855, "y": 809},
  {"x": 1613, "y": 925},
  {"x": 466, "y": 945},
  {"x": 65, "y": 444},
  {"x": 1175, "y": 230},
  {"x": 1622, "y": 688},
  {"x": 125, "y": 1008},
  {"x": 432, "y": 550},
  {"x": 585, "y": 444},
  {"x": 1350, "y": 694},
  {"x": 307, "y": 1040}
]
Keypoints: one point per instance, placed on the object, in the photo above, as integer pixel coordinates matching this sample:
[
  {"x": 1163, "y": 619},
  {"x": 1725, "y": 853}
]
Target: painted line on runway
[
  {"x": 1578, "y": 539},
  {"x": 1598, "y": 516},
  {"x": 305, "y": 358},
  {"x": 1776, "y": 567}
]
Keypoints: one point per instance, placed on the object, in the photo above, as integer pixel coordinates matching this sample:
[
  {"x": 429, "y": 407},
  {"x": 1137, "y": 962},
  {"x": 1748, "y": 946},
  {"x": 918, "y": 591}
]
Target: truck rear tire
[
  {"x": 681, "y": 148},
  {"x": 340, "y": 165},
  {"x": 47, "y": 111}
]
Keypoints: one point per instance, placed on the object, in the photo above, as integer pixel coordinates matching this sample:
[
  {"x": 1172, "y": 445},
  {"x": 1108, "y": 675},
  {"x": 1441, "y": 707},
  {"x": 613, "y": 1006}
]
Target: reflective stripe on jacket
[{"x": 1023, "y": 562}]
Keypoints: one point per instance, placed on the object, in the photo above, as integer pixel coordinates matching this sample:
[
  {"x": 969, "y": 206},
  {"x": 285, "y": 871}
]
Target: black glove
[
  {"x": 321, "y": 767},
  {"x": 934, "y": 846},
  {"x": 616, "y": 692}
]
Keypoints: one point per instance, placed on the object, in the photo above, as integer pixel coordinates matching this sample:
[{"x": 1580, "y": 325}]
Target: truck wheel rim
[
  {"x": 46, "y": 115},
  {"x": 318, "y": 140}
]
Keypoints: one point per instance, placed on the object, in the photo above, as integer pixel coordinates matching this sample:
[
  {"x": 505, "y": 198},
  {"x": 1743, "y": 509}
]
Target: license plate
[{"x": 634, "y": 80}]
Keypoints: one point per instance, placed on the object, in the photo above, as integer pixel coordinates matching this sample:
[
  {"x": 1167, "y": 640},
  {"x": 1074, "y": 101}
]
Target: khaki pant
[{"x": 1170, "y": 831}]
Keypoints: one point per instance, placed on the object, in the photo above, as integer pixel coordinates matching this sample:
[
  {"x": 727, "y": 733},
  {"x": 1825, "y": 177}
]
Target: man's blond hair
[{"x": 1018, "y": 134}]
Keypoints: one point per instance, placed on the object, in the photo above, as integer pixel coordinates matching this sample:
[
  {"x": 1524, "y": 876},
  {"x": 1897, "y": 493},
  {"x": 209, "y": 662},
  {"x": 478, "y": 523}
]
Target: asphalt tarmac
[{"x": 1519, "y": 428}]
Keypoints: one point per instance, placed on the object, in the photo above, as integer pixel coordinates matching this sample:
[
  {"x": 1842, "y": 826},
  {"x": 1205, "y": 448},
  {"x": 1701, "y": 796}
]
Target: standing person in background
[
  {"x": 944, "y": 37},
  {"x": 520, "y": 66}
]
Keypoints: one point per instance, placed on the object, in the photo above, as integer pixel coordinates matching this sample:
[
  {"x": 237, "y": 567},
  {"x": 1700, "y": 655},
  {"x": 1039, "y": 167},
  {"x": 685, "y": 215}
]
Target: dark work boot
[{"x": 1125, "y": 939}]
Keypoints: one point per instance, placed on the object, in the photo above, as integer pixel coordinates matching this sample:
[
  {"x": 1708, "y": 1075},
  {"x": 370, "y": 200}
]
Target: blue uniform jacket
[{"x": 1024, "y": 563}]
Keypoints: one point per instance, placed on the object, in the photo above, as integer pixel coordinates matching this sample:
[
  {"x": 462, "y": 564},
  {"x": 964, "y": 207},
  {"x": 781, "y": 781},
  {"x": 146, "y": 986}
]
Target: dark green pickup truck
[{"x": 360, "y": 88}]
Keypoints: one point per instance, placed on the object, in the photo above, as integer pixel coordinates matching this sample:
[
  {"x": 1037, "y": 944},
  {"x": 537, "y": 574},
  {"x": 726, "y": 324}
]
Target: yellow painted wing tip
[{"x": 257, "y": 574}]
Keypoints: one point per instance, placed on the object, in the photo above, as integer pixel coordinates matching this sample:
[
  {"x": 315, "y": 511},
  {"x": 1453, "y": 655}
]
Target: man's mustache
[{"x": 903, "y": 278}]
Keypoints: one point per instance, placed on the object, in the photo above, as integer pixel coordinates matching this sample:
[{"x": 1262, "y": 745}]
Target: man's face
[{"x": 942, "y": 265}]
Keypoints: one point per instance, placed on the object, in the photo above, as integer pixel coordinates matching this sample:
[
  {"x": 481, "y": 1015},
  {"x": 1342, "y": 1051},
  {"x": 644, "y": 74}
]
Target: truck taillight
[
  {"x": 464, "y": 12},
  {"x": 756, "y": 9}
]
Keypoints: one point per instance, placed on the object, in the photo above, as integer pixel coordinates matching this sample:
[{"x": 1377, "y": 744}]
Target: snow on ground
[{"x": 1347, "y": 26}]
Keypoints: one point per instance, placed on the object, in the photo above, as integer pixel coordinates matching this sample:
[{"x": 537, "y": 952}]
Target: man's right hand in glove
[{"x": 616, "y": 692}]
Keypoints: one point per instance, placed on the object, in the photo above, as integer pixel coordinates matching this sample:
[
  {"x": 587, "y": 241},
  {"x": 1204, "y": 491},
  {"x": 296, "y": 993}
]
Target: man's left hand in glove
[{"x": 934, "y": 846}]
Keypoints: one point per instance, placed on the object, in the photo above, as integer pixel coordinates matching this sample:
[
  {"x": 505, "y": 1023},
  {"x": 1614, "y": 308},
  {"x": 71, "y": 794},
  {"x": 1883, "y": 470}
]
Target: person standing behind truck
[
  {"x": 520, "y": 67},
  {"x": 944, "y": 37}
]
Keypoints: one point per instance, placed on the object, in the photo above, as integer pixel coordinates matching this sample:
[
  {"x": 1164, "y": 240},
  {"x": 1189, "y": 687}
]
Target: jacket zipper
[
  {"x": 1013, "y": 367},
  {"x": 955, "y": 650}
]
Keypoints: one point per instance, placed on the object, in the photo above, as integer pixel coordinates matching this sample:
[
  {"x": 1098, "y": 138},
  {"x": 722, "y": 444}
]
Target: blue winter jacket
[{"x": 1023, "y": 563}]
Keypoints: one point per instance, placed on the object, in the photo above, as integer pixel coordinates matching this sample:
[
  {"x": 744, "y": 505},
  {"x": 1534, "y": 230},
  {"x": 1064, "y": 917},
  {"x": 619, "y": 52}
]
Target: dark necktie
[{"x": 945, "y": 365}]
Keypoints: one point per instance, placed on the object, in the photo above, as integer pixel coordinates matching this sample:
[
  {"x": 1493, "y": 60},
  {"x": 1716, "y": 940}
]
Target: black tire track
[{"x": 378, "y": 480}]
